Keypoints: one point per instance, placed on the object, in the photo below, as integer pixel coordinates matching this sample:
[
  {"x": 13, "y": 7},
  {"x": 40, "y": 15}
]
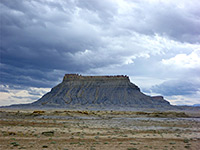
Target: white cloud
[
  {"x": 14, "y": 96},
  {"x": 191, "y": 60},
  {"x": 184, "y": 100}
]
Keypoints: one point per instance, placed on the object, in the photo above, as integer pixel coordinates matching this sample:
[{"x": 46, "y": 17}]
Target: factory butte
[{"x": 105, "y": 91}]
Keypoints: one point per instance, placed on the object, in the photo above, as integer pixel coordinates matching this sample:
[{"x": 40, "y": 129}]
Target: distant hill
[
  {"x": 196, "y": 105},
  {"x": 99, "y": 91}
]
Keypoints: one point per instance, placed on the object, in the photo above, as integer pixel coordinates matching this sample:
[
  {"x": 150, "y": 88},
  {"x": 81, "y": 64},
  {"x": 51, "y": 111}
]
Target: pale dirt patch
[{"x": 22, "y": 130}]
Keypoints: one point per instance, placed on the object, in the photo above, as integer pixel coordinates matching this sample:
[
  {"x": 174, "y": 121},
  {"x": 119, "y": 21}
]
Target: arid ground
[{"x": 98, "y": 130}]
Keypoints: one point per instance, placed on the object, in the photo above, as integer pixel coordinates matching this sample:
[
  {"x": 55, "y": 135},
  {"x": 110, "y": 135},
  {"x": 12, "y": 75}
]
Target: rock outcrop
[{"x": 98, "y": 90}]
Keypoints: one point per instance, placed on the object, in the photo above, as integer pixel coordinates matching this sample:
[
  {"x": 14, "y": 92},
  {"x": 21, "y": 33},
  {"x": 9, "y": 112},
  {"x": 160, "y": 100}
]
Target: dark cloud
[
  {"x": 37, "y": 38},
  {"x": 16, "y": 77},
  {"x": 178, "y": 20},
  {"x": 178, "y": 87},
  {"x": 4, "y": 90},
  {"x": 105, "y": 10},
  {"x": 42, "y": 40}
]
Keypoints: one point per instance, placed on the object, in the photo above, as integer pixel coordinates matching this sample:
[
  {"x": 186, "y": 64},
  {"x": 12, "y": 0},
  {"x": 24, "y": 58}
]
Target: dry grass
[{"x": 108, "y": 130}]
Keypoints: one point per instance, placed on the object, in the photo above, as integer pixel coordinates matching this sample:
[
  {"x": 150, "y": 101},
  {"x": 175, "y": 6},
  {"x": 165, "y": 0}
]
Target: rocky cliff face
[{"x": 98, "y": 90}]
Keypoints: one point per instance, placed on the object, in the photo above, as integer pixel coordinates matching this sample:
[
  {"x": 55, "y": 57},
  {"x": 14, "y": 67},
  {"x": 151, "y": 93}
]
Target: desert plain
[{"x": 98, "y": 130}]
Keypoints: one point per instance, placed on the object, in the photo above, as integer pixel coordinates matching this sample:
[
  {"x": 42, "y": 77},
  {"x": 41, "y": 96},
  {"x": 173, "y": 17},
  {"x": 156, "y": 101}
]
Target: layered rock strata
[{"x": 99, "y": 90}]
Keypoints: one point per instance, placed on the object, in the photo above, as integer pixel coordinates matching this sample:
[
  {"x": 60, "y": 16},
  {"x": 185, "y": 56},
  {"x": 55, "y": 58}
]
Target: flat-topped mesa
[
  {"x": 72, "y": 77},
  {"x": 77, "y": 90}
]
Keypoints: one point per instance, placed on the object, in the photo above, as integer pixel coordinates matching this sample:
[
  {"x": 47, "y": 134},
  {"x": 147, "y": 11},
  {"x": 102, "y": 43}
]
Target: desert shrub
[
  {"x": 38, "y": 112},
  {"x": 44, "y": 146},
  {"x": 15, "y": 144},
  {"x": 48, "y": 133},
  {"x": 185, "y": 140},
  {"x": 132, "y": 148}
]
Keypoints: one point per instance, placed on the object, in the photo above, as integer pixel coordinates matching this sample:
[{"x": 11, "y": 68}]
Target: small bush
[
  {"x": 48, "y": 133},
  {"x": 44, "y": 146},
  {"x": 53, "y": 142},
  {"x": 15, "y": 144},
  {"x": 185, "y": 140},
  {"x": 132, "y": 148}
]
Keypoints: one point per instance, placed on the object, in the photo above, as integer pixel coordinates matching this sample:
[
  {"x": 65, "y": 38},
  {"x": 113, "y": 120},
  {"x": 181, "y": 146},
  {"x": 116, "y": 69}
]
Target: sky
[{"x": 155, "y": 42}]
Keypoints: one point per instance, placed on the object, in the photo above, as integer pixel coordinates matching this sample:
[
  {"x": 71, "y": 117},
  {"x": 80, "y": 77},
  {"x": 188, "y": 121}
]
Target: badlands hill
[{"x": 78, "y": 90}]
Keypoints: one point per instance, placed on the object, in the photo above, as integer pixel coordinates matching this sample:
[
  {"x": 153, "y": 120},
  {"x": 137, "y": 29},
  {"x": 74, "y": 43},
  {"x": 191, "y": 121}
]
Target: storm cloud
[
  {"x": 156, "y": 40},
  {"x": 170, "y": 88}
]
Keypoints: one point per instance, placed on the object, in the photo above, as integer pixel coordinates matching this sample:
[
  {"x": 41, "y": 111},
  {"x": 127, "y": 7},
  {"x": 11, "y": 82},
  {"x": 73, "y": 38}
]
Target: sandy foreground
[{"x": 98, "y": 130}]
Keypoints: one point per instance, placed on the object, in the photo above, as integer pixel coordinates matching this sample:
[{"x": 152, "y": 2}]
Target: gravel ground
[{"x": 97, "y": 130}]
